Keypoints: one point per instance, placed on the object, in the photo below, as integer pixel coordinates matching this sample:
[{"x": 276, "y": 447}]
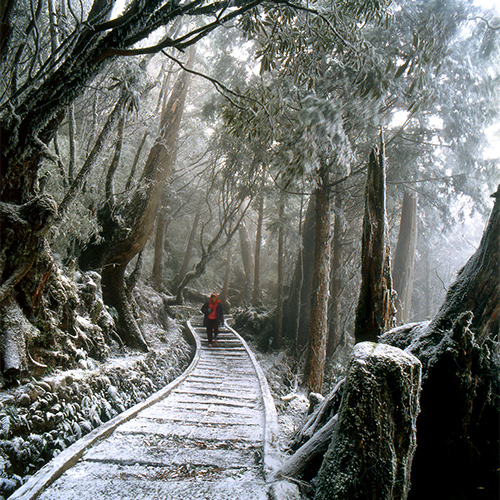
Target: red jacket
[{"x": 219, "y": 313}]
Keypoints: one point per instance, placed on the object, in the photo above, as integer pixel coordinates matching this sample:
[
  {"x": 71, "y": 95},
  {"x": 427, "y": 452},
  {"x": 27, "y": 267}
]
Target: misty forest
[{"x": 329, "y": 168}]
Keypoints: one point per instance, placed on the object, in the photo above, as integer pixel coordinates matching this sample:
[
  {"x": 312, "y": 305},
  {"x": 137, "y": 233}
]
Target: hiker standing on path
[{"x": 214, "y": 316}]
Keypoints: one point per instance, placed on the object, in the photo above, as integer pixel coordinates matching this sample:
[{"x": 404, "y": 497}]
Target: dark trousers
[{"x": 212, "y": 327}]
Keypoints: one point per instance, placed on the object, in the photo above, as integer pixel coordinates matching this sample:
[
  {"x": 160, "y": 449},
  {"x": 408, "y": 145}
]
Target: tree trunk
[
  {"x": 257, "y": 292},
  {"x": 6, "y": 9},
  {"x": 375, "y": 310},
  {"x": 336, "y": 282},
  {"x": 22, "y": 254},
  {"x": 403, "y": 265},
  {"x": 114, "y": 294},
  {"x": 24, "y": 227},
  {"x": 427, "y": 289},
  {"x": 126, "y": 227},
  {"x": 161, "y": 229},
  {"x": 14, "y": 337},
  {"x": 458, "y": 434},
  {"x": 247, "y": 259},
  {"x": 278, "y": 340},
  {"x": 224, "y": 296},
  {"x": 189, "y": 247},
  {"x": 131, "y": 175},
  {"x": 72, "y": 148},
  {"x": 477, "y": 287},
  {"x": 297, "y": 304},
  {"x": 109, "y": 190},
  {"x": 319, "y": 416},
  {"x": 318, "y": 321},
  {"x": 310, "y": 453},
  {"x": 371, "y": 453},
  {"x": 79, "y": 181}
]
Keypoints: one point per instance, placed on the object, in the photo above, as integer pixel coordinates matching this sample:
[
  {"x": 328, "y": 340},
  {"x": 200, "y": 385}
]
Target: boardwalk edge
[
  {"x": 51, "y": 471},
  {"x": 279, "y": 489}
]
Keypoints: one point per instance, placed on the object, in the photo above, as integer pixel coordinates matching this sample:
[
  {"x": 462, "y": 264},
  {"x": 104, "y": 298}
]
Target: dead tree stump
[
  {"x": 458, "y": 433},
  {"x": 371, "y": 453}
]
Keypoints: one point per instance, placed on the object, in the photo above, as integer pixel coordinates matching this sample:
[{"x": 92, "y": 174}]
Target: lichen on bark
[{"x": 371, "y": 453}]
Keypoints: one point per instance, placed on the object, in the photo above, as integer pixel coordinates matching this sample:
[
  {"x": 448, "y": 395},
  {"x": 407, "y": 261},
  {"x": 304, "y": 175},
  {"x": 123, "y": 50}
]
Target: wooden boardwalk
[{"x": 209, "y": 435}]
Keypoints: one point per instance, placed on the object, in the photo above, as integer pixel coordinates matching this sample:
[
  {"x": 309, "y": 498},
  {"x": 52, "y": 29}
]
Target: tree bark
[
  {"x": 314, "y": 370},
  {"x": 6, "y": 9},
  {"x": 257, "y": 292},
  {"x": 371, "y": 453},
  {"x": 24, "y": 227},
  {"x": 403, "y": 266},
  {"x": 375, "y": 310},
  {"x": 247, "y": 259},
  {"x": 458, "y": 435},
  {"x": 297, "y": 304},
  {"x": 13, "y": 339}
]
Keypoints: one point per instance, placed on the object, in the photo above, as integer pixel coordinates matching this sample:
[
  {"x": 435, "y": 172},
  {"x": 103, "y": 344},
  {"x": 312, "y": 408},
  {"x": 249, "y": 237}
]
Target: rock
[
  {"x": 371, "y": 452},
  {"x": 24, "y": 400},
  {"x": 7, "y": 399},
  {"x": 44, "y": 385},
  {"x": 284, "y": 490},
  {"x": 314, "y": 400},
  {"x": 50, "y": 420}
]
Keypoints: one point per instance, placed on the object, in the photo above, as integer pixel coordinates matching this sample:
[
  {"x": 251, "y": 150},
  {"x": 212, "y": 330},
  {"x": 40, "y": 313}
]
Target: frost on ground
[
  {"x": 42, "y": 417},
  {"x": 292, "y": 404}
]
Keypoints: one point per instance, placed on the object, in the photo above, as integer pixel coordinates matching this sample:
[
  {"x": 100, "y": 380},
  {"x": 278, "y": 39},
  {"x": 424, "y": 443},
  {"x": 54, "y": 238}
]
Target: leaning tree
[{"x": 45, "y": 67}]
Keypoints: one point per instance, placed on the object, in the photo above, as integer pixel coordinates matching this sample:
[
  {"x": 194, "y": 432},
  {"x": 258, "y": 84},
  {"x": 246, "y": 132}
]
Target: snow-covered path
[{"x": 209, "y": 438}]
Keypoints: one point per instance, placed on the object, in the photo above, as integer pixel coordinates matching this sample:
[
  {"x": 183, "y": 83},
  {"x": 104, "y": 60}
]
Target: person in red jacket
[{"x": 213, "y": 317}]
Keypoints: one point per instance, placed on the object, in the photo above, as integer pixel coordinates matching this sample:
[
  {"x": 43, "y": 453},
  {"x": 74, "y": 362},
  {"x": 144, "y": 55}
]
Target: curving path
[{"x": 209, "y": 435}]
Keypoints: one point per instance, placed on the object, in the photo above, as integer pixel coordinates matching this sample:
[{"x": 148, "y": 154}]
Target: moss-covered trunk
[
  {"x": 114, "y": 294},
  {"x": 458, "y": 438},
  {"x": 371, "y": 453}
]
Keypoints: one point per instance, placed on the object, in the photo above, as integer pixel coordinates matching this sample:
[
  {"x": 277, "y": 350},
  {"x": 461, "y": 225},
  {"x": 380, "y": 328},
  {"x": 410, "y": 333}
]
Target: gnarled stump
[
  {"x": 372, "y": 449},
  {"x": 458, "y": 432}
]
